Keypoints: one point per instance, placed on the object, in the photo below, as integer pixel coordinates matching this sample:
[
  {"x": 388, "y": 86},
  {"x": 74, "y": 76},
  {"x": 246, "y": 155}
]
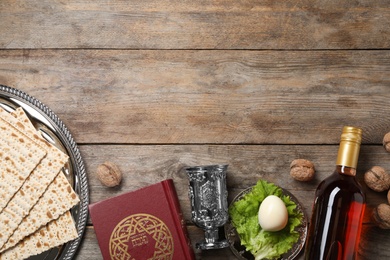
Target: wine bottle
[{"x": 339, "y": 205}]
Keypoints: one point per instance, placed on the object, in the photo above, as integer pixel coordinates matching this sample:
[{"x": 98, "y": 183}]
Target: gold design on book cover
[{"x": 141, "y": 236}]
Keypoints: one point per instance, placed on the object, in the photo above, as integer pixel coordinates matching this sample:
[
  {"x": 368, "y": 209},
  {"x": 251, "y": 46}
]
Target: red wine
[
  {"x": 336, "y": 223},
  {"x": 338, "y": 208}
]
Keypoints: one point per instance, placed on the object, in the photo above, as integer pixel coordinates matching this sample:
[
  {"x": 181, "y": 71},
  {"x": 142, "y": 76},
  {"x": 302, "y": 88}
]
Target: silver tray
[
  {"x": 239, "y": 250},
  {"x": 56, "y": 133}
]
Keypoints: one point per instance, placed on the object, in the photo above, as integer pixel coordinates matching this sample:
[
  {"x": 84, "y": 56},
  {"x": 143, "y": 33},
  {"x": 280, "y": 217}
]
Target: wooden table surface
[{"x": 156, "y": 86}]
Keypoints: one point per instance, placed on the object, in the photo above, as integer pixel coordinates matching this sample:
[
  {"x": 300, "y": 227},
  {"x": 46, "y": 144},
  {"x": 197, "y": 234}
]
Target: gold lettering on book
[
  {"x": 141, "y": 236},
  {"x": 139, "y": 240}
]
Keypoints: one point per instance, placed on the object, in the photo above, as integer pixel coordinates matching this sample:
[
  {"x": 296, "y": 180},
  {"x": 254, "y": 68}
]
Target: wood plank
[
  {"x": 373, "y": 245},
  {"x": 257, "y": 97},
  {"x": 144, "y": 165},
  {"x": 226, "y": 24},
  {"x": 89, "y": 248}
]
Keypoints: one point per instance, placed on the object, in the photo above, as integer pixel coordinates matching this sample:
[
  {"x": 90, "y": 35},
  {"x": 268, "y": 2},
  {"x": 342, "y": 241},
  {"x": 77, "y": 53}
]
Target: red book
[{"x": 143, "y": 224}]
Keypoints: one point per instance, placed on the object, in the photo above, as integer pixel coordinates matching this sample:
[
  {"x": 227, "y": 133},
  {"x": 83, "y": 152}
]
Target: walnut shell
[
  {"x": 109, "y": 174},
  {"x": 381, "y": 216},
  {"x": 388, "y": 196},
  {"x": 386, "y": 142},
  {"x": 377, "y": 179},
  {"x": 302, "y": 170}
]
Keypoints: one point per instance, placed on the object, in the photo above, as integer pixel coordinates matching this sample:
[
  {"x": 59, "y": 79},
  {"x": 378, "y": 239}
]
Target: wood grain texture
[
  {"x": 143, "y": 165},
  {"x": 156, "y": 86},
  {"x": 258, "y": 97},
  {"x": 369, "y": 247},
  {"x": 200, "y": 24}
]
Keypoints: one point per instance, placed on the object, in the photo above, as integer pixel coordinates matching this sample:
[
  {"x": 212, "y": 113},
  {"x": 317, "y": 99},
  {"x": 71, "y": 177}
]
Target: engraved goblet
[{"x": 209, "y": 207}]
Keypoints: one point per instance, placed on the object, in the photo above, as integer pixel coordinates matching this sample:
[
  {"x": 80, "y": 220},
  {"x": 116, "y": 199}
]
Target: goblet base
[{"x": 212, "y": 245}]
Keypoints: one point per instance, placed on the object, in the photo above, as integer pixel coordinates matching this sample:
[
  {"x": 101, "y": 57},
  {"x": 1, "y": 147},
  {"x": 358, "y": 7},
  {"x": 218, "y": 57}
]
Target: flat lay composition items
[
  {"x": 237, "y": 108},
  {"x": 45, "y": 202}
]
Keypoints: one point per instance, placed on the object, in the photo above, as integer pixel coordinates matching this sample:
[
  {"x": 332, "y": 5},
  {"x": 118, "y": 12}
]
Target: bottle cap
[
  {"x": 351, "y": 134},
  {"x": 349, "y": 149}
]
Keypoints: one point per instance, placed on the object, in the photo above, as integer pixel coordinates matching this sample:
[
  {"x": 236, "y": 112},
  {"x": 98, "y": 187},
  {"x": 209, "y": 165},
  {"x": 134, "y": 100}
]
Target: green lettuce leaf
[{"x": 264, "y": 244}]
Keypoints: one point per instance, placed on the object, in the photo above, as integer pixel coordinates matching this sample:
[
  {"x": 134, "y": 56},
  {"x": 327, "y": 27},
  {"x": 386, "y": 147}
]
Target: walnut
[
  {"x": 381, "y": 216},
  {"x": 388, "y": 196},
  {"x": 109, "y": 174},
  {"x": 377, "y": 179},
  {"x": 386, "y": 142},
  {"x": 302, "y": 170}
]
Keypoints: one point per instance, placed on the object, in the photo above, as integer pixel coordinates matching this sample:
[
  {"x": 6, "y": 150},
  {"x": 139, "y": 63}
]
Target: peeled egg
[{"x": 273, "y": 215}]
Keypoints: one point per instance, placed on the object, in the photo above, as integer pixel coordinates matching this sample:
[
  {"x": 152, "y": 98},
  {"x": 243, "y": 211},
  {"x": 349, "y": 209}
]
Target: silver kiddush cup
[{"x": 209, "y": 207}]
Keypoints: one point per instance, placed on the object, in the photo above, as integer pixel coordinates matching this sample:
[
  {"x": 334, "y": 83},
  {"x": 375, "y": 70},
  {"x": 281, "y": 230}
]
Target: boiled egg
[{"x": 273, "y": 215}]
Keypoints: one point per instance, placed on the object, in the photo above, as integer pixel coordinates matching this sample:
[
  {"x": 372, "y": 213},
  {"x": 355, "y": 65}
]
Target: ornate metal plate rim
[{"x": 54, "y": 128}]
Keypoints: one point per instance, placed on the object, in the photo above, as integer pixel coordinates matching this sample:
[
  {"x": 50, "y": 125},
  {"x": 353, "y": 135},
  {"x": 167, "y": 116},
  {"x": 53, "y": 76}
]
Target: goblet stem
[
  {"x": 212, "y": 240},
  {"x": 211, "y": 235}
]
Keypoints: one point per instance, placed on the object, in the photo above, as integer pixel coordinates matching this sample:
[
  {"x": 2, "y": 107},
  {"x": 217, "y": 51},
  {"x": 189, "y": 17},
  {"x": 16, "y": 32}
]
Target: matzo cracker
[
  {"x": 57, "y": 199},
  {"x": 55, "y": 233},
  {"x": 19, "y": 156},
  {"x": 36, "y": 183}
]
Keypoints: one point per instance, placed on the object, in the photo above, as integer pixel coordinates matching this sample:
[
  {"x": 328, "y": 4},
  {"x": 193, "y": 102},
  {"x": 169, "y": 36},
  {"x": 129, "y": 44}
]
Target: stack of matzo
[{"x": 35, "y": 196}]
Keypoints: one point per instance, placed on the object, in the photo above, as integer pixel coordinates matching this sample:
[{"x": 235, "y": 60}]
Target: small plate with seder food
[{"x": 297, "y": 221}]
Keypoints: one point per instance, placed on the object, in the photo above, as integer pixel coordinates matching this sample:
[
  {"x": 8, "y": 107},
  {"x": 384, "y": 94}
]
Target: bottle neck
[
  {"x": 345, "y": 170},
  {"x": 347, "y": 157}
]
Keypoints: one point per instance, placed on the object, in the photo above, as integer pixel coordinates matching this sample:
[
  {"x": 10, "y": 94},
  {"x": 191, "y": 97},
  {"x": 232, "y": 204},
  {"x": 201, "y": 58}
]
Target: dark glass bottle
[{"x": 339, "y": 205}]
